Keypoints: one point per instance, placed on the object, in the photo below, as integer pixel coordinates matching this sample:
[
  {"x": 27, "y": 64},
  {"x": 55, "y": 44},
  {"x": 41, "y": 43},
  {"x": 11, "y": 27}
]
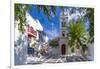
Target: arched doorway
[{"x": 63, "y": 49}]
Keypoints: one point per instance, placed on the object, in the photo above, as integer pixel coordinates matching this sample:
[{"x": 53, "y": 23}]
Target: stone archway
[{"x": 63, "y": 49}]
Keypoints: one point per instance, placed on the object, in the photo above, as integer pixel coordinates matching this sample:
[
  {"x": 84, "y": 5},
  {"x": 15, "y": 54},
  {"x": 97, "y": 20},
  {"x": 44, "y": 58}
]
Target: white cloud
[{"x": 52, "y": 33}]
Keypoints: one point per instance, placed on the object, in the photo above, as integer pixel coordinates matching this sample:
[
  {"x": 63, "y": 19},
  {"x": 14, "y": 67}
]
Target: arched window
[{"x": 63, "y": 34}]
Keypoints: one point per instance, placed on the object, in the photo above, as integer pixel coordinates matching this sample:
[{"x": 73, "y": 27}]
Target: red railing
[{"x": 31, "y": 32}]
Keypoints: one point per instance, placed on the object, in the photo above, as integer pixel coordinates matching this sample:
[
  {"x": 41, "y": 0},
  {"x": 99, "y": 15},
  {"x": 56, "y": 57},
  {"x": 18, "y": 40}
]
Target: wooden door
[{"x": 63, "y": 49}]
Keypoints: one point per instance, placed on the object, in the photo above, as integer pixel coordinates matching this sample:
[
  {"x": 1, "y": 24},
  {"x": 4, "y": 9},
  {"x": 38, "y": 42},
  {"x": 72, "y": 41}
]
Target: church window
[{"x": 63, "y": 34}]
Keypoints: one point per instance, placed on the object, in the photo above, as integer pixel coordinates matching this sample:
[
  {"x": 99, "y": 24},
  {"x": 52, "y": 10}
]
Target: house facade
[{"x": 25, "y": 43}]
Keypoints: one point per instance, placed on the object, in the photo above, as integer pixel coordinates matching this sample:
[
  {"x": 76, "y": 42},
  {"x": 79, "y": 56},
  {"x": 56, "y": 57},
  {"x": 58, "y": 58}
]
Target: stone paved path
[
  {"x": 54, "y": 61},
  {"x": 57, "y": 59}
]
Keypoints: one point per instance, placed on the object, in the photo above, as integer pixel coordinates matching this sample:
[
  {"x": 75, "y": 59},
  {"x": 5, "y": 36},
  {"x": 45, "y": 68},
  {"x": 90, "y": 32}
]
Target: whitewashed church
[{"x": 63, "y": 43}]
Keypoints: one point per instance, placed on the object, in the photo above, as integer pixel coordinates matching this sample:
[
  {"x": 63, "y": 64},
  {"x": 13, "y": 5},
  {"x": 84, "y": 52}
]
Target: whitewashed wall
[
  {"x": 55, "y": 50},
  {"x": 20, "y": 50},
  {"x": 91, "y": 51}
]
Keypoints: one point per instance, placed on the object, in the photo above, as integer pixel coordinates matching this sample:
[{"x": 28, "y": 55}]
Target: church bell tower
[{"x": 63, "y": 43}]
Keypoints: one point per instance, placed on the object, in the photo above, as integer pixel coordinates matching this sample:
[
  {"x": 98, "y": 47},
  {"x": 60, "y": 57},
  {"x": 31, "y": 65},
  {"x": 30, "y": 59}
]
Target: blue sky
[{"x": 50, "y": 27}]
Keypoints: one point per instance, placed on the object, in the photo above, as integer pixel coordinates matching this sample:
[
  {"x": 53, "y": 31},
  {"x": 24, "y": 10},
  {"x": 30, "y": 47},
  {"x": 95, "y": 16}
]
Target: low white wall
[
  {"x": 55, "y": 50},
  {"x": 91, "y": 51},
  {"x": 20, "y": 51}
]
